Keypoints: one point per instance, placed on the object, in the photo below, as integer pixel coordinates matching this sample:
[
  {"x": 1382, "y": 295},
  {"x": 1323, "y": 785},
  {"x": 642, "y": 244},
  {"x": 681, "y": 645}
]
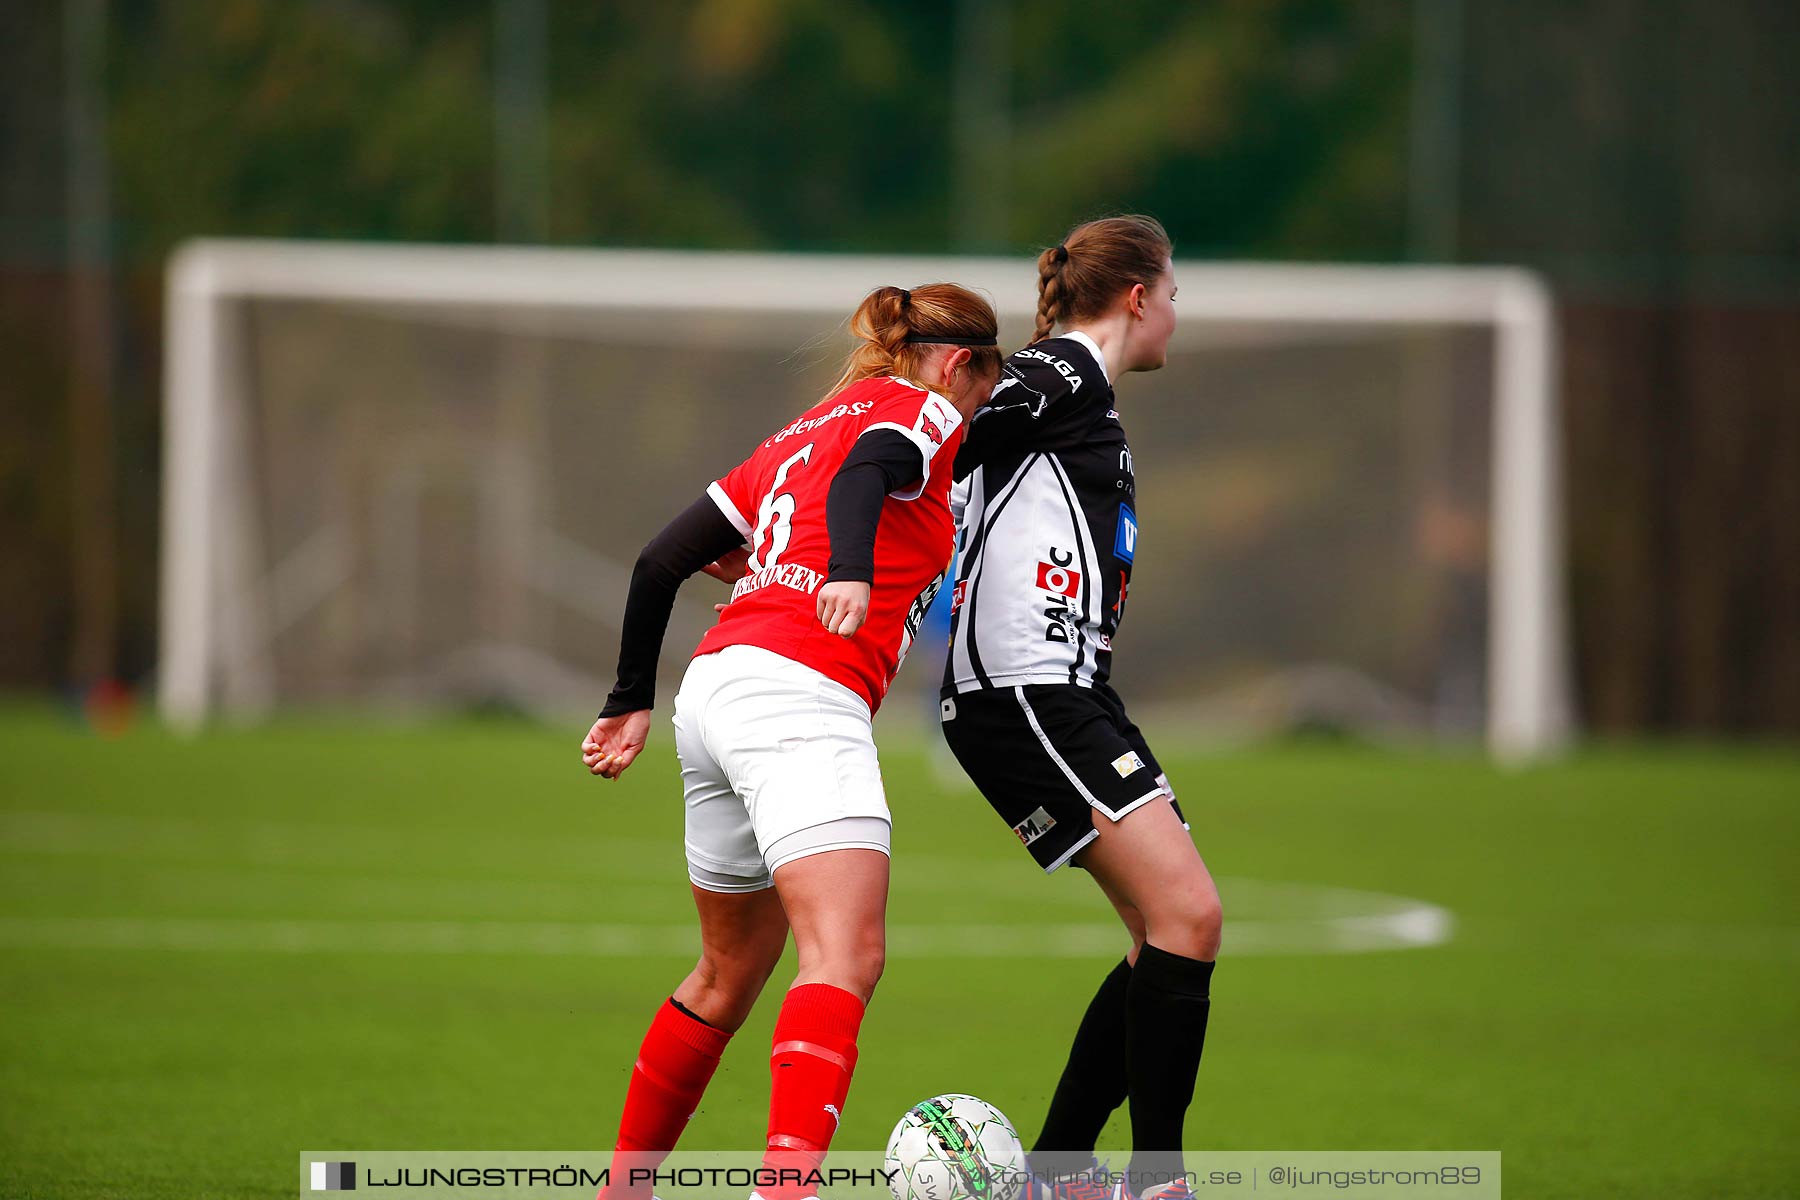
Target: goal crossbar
[{"x": 1529, "y": 710}]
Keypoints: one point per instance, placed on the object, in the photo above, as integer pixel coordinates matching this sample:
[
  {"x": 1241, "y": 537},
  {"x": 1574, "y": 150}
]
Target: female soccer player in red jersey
[
  {"x": 1049, "y": 532},
  {"x": 846, "y": 516}
]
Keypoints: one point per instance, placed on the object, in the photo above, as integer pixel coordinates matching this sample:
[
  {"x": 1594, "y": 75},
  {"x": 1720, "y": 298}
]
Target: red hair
[{"x": 888, "y": 315}]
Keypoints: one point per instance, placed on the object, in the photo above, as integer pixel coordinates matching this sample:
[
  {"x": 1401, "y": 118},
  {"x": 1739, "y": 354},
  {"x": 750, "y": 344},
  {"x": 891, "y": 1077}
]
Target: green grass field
[{"x": 220, "y": 952}]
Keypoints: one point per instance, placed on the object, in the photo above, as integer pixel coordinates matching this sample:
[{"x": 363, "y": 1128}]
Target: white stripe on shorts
[{"x": 1051, "y": 751}]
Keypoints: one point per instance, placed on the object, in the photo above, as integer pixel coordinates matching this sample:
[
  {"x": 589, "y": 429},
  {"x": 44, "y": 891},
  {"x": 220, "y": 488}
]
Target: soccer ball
[{"x": 955, "y": 1147}]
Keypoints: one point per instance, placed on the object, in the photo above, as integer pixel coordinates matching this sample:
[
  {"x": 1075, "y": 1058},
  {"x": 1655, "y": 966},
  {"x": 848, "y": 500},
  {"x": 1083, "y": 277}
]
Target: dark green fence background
[{"x": 1644, "y": 155}]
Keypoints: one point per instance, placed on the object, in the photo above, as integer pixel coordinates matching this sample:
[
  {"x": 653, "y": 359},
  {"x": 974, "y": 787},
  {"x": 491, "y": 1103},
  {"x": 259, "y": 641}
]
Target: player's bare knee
[
  {"x": 877, "y": 965},
  {"x": 1187, "y": 922},
  {"x": 854, "y": 964},
  {"x": 868, "y": 965},
  {"x": 1201, "y": 917},
  {"x": 720, "y": 1002},
  {"x": 731, "y": 976},
  {"x": 1208, "y": 922},
  {"x": 866, "y": 959},
  {"x": 862, "y": 981}
]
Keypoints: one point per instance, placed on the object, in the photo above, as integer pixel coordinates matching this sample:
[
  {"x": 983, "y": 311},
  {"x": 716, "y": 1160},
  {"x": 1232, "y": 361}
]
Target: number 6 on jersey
[{"x": 774, "y": 520}]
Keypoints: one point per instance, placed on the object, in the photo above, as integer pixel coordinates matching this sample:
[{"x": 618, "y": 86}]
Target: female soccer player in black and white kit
[{"x": 1045, "y": 546}]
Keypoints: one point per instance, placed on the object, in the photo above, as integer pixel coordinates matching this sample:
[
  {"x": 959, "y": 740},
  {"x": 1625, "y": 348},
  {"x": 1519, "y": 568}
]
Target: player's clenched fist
[
  {"x": 614, "y": 742},
  {"x": 843, "y": 606}
]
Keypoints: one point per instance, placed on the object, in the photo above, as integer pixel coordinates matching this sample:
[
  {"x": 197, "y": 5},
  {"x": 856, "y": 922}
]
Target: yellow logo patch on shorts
[{"x": 1127, "y": 762}]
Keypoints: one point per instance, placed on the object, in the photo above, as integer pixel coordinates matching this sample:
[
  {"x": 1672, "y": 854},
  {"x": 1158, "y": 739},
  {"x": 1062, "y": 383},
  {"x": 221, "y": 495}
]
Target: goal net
[{"x": 405, "y": 476}]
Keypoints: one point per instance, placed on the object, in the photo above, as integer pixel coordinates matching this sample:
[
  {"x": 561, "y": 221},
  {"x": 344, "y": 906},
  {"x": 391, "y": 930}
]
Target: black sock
[
  {"x": 1093, "y": 1082},
  {"x": 1165, "y": 1032}
]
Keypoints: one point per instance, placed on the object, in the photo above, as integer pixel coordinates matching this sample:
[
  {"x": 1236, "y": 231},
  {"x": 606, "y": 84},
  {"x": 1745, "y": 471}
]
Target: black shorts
[{"x": 1047, "y": 755}]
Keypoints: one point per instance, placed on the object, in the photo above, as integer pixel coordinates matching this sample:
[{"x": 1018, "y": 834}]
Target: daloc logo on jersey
[
  {"x": 1125, "y": 545},
  {"x": 1059, "y": 579}
]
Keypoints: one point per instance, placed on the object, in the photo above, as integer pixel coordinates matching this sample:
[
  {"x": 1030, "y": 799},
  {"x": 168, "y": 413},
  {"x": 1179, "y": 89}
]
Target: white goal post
[{"x": 214, "y": 615}]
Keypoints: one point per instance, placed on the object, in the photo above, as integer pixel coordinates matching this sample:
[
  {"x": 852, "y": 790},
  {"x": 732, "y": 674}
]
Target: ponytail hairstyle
[
  {"x": 1082, "y": 275},
  {"x": 896, "y": 329}
]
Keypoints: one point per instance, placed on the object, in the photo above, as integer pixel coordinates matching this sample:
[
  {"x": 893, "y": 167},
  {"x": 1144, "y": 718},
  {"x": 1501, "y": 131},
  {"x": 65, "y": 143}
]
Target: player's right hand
[
  {"x": 613, "y": 743},
  {"x": 843, "y": 606}
]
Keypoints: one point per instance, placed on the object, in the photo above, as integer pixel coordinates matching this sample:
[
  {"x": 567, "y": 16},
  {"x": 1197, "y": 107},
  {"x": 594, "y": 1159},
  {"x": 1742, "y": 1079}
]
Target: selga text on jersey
[{"x": 1047, "y": 525}]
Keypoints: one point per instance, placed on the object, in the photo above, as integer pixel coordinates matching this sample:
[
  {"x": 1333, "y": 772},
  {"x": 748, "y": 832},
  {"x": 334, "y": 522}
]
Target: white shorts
[{"x": 777, "y": 762}]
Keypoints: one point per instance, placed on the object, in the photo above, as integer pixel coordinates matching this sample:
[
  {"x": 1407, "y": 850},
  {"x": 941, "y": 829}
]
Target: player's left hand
[
  {"x": 730, "y": 566},
  {"x": 614, "y": 743},
  {"x": 843, "y": 606}
]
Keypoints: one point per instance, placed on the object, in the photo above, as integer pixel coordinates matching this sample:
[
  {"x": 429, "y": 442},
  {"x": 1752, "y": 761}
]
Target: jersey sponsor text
[
  {"x": 1057, "y": 576},
  {"x": 808, "y": 424},
  {"x": 1070, "y": 375},
  {"x": 801, "y": 579}
]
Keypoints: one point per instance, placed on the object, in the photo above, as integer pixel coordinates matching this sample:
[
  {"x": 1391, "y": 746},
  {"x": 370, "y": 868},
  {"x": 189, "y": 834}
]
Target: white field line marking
[
  {"x": 1278, "y": 918},
  {"x": 1418, "y": 925}
]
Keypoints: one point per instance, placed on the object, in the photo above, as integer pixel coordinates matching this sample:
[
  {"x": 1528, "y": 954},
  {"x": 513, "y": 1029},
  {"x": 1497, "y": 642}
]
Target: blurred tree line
[{"x": 1641, "y": 154}]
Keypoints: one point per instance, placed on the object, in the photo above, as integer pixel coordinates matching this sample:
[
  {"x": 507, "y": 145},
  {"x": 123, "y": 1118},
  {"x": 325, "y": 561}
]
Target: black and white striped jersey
[{"x": 1047, "y": 530}]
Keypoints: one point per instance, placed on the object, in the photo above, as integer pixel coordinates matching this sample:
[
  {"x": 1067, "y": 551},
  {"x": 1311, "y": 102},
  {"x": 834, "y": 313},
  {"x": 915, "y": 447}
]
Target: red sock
[
  {"x": 674, "y": 1065},
  {"x": 814, "y": 1057}
]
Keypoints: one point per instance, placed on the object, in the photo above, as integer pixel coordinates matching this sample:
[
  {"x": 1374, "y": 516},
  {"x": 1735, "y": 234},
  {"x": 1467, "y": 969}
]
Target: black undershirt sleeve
[
  {"x": 693, "y": 539},
  {"x": 882, "y": 461},
  {"x": 1036, "y": 406}
]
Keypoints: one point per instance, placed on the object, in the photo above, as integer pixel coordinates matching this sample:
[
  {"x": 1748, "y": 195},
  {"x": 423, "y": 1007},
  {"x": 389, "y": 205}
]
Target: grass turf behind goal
[{"x": 220, "y": 951}]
